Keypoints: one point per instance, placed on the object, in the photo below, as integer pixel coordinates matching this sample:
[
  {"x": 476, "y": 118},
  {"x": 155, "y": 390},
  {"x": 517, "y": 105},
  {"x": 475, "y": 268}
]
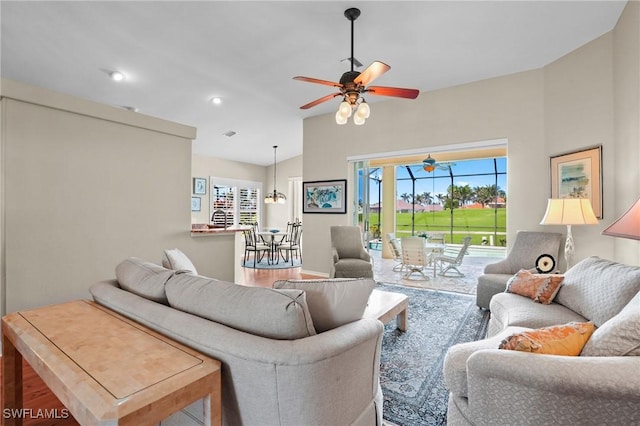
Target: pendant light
[{"x": 275, "y": 197}]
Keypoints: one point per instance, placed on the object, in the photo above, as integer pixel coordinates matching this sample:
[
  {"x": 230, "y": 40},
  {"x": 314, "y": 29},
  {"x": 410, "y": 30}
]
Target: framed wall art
[
  {"x": 324, "y": 196},
  {"x": 199, "y": 186},
  {"x": 196, "y": 204},
  {"x": 578, "y": 174}
]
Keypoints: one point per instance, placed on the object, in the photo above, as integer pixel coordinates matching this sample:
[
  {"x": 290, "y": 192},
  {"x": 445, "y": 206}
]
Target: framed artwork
[
  {"x": 196, "y": 204},
  {"x": 199, "y": 186},
  {"x": 324, "y": 196},
  {"x": 578, "y": 174}
]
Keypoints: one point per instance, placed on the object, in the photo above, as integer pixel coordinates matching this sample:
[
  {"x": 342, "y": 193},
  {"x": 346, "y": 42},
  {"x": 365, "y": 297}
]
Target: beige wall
[
  {"x": 86, "y": 186},
  {"x": 570, "y": 104}
]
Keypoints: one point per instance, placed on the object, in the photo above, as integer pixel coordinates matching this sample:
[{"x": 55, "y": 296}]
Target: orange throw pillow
[
  {"x": 541, "y": 288},
  {"x": 568, "y": 339}
]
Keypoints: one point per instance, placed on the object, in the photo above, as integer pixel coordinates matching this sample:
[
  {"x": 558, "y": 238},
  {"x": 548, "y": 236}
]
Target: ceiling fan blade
[
  {"x": 397, "y": 92},
  {"x": 321, "y": 100},
  {"x": 372, "y": 72},
  {"x": 317, "y": 81}
]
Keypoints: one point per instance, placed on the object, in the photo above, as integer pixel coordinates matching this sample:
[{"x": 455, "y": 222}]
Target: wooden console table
[{"x": 105, "y": 368}]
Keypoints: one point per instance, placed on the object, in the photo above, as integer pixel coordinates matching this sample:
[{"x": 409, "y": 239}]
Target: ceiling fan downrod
[{"x": 352, "y": 14}]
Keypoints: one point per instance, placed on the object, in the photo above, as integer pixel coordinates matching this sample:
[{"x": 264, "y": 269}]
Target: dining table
[{"x": 272, "y": 238}]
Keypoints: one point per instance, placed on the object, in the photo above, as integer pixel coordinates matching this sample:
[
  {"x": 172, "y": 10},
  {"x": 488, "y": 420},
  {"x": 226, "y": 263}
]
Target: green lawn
[{"x": 466, "y": 222}]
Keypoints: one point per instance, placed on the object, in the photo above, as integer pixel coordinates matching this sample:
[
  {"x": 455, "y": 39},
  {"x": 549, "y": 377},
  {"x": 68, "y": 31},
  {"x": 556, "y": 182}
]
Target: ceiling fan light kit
[{"x": 353, "y": 85}]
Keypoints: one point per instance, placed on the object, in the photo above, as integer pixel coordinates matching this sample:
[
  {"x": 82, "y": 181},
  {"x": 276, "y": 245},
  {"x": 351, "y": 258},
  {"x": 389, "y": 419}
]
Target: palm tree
[
  {"x": 406, "y": 197},
  {"x": 427, "y": 198}
]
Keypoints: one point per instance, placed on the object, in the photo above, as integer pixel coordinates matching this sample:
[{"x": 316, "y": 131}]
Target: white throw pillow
[
  {"x": 333, "y": 302},
  {"x": 178, "y": 261}
]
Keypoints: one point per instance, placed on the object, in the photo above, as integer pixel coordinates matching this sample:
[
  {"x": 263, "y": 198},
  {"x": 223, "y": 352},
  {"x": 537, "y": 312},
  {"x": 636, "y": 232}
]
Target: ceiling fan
[{"x": 353, "y": 85}]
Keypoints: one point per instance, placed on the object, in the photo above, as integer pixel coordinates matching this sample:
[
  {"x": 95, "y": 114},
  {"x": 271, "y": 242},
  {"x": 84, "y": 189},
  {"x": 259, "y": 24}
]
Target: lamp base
[{"x": 568, "y": 247}]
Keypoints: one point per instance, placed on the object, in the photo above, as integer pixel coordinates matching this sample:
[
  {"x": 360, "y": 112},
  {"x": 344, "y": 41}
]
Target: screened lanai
[{"x": 458, "y": 198}]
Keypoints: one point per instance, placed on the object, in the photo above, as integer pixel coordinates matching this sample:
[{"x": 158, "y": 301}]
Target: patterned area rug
[
  {"x": 411, "y": 362},
  {"x": 265, "y": 265}
]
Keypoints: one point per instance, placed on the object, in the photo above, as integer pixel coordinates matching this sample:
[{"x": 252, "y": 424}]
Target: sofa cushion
[
  {"x": 143, "y": 278},
  {"x": 541, "y": 288},
  {"x": 333, "y": 302},
  {"x": 455, "y": 362},
  {"x": 508, "y": 309},
  {"x": 177, "y": 260},
  {"x": 566, "y": 339},
  {"x": 276, "y": 314},
  {"x": 598, "y": 288},
  {"x": 619, "y": 336}
]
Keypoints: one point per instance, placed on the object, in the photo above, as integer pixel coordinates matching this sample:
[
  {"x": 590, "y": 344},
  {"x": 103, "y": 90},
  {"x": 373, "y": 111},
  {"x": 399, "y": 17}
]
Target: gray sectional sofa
[
  {"x": 490, "y": 386},
  {"x": 276, "y": 368}
]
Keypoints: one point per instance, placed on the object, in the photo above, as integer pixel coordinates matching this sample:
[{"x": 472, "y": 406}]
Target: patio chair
[
  {"x": 453, "y": 259},
  {"x": 396, "y": 250},
  {"x": 415, "y": 258},
  {"x": 349, "y": 257}
]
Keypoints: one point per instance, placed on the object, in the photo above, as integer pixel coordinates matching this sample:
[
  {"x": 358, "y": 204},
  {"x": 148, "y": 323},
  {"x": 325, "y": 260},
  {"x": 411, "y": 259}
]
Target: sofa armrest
[
  {"x": 364, "y": 255},
  {"x": 560, "y": 389},
  {"x": 500, "y": 267},
  {"x": 334, "y": 254}
]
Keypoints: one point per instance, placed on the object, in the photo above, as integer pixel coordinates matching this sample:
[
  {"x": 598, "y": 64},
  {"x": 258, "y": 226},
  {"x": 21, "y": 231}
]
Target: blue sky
[{"x": 439, "y": 180}]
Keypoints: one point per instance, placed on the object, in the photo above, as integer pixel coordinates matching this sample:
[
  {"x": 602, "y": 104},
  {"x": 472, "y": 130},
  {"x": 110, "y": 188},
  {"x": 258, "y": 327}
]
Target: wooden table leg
[
  {"x": 11, "y": 383},
  {"x": 401, "y": 320},
  {"x": 213, "y": 404}
]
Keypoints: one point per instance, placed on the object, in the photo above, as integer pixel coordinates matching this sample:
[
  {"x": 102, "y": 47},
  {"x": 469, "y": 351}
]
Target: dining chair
[
  {"x": 292, "y": 243},
  {"x": 415, "y": 257},
  {"x": 453, "y": 259},
  {"x": 253, "y": 245}
]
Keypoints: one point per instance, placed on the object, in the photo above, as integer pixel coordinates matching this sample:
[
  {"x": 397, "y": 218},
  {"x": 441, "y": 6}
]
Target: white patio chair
[
  {"x": 396, "y": 250},
  {"x": 415, "y": 258},
  {"x": 452, "y": 259}
]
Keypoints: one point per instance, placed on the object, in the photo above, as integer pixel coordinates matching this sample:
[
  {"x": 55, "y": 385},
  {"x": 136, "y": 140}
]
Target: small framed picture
[
  {"x": 325, "y": 196},
  {"x": 196, "y": 204},
  {"x": 199, "y": 186}
]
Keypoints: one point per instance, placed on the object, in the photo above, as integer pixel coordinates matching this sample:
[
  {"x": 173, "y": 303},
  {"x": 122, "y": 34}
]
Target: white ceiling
[{"x": 178, "y": 55}]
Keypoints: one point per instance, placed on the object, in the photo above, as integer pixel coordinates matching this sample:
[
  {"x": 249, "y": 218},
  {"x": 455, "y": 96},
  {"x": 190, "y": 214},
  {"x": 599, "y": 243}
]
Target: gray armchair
[
  {"x": 526, "y": 248},
  {"x": 350, "y": 259}
]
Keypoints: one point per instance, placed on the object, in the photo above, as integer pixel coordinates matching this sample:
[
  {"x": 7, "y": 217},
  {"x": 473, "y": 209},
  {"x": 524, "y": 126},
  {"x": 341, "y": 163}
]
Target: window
[{"x": 235, "y": 201}]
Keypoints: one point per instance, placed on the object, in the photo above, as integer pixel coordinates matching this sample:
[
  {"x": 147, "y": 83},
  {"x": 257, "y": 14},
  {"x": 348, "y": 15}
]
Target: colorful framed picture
[
  {"x": 196, "y": 204},
  {"x": 324, "y": 196},
  {"x": 199, "y": 186},
  {"x": 578, "y": 174}
]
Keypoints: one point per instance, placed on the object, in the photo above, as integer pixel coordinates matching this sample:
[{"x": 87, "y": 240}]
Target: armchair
[
  {"x": 527, "y": 246},
  {"x": 349, "y": 257}
]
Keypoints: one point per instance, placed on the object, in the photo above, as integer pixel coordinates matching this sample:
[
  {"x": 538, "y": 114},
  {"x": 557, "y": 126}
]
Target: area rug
[
  {"x": 411, "y": 362},
  {"x": 263, "y": 264}
]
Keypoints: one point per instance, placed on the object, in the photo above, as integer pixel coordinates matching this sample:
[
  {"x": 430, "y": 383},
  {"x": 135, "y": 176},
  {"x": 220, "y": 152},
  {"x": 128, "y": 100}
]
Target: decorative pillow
[
  {"x": 568, "y": 339},
  {"x": 541, "y": 288},
  {"x": 598, "y": 288},
  {"x": 178, "y": 261},
  {"x": 144, "y": 278},
  {"x": 333, "y": 302},
  {"x": 620, "y": 336},
  {"x": 275, "y": 314}
]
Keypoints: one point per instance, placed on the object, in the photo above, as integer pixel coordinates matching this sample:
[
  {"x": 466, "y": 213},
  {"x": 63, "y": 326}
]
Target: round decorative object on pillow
[{"x": 545, "y": 263}]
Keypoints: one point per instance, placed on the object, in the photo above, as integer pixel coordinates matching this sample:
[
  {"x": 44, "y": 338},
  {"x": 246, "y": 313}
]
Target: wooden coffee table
[
  {"x": 385, "y": 305},
  {"x": 105, "y": 368}
]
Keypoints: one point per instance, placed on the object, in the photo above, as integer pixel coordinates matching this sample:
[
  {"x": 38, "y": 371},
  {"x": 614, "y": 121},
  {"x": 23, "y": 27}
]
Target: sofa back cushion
[
  {"x": 333, "y": 302},
  {"x": 177, "y": 260},
  {"x": 620, "y": 336},
  {"x": 275, "y": 314},
  {"x": 143, "y": 278},
  {"x": 598, "y": 288}
]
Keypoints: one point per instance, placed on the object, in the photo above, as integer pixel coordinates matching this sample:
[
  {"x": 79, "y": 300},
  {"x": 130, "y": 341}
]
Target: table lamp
[
  {"x": 569, "y": 211},
  {"x": 628, "y": 225}
]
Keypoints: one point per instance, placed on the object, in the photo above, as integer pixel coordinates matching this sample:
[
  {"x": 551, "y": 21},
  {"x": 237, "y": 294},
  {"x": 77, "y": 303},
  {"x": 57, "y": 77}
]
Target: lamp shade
[
  {"x": 569, "y": 211},
  {"x": 628, "y": 225}
]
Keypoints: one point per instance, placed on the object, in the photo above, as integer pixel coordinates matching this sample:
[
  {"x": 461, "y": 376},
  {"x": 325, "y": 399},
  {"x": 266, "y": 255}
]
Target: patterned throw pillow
[
  {"x": 568, "y": 339},
  {"x": 541, "y": 288}
]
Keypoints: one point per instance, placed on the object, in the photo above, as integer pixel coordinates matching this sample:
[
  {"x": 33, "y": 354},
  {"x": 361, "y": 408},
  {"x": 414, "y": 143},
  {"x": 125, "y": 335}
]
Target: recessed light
[
  {"x": 117, "y": 76},
  {"x": 216, "y": 100},
  {"x": 229, "y": 133},
  {"x": 130, "y": 108}
]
